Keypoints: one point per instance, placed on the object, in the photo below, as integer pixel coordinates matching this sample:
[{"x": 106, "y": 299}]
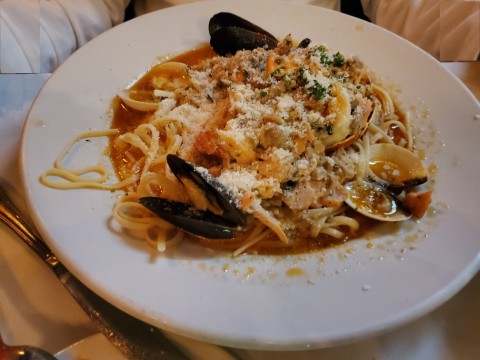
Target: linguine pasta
[{"x": 284, "y": 130}]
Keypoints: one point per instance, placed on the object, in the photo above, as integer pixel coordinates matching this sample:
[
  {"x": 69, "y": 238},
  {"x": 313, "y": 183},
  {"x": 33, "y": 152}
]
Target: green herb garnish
[
  {"x": 302, "y": 79},
  {"x": 318, "y": 91},
  {"x": 338, "y": 59},
  {"x": 329, "y": 128},
  {"x": 324, "y": 57}
]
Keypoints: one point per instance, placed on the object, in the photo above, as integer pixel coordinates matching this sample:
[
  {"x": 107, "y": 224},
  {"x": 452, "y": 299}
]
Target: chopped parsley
[
  {"x": 302, "y": 79},
  {"x": 329, "y": 128},
  {"x": 324, "y": 57},
  {"x": 318, "y": 91},
  {"x": 246, "y": 73},
  {"x": 338, "y": 59}
]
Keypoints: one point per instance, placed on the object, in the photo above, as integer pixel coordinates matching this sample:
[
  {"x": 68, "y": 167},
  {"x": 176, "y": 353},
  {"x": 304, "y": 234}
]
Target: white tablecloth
[{"x": 36, "y": 309}]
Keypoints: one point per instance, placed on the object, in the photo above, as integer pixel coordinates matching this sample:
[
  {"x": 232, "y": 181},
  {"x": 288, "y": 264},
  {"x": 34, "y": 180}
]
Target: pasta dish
[{"x": 296, "y": 134}]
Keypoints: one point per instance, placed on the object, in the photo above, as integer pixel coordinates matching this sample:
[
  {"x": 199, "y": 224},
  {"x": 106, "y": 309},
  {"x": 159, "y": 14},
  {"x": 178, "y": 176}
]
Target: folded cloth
[
  {"x": 36, "y": 36},
  {"x": 144, "y": 6},
  {"x": 447, "y": 29}
]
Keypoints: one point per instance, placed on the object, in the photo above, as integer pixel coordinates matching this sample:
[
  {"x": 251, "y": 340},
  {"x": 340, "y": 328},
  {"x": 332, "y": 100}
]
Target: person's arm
[
  {"x": 38, "y": 35},
  {"x": 448, "y": 30}
]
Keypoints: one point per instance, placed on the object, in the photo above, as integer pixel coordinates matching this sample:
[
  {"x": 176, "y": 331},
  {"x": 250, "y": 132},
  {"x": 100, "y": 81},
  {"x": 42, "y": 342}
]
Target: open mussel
[
  {"x": 213, "y": 212},
  {"x": 230, "y": 33}
]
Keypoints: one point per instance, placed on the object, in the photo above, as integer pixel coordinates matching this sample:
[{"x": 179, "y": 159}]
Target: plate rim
[{"x": 435, "y": 301}]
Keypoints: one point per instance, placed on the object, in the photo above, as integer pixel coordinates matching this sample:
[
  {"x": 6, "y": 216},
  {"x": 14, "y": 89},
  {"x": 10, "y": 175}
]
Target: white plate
[
  {"x": 293, "y": 302},
  {"x": 95, "y": 347}
]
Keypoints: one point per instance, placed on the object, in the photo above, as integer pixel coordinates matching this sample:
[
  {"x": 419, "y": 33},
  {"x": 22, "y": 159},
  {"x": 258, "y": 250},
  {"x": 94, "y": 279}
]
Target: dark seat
[{"x": 353, "y": 8}]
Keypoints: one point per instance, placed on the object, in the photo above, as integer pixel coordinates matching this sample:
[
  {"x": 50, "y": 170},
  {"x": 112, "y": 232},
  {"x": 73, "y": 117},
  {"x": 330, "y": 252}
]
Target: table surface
[{"x": 36, "y": 309}]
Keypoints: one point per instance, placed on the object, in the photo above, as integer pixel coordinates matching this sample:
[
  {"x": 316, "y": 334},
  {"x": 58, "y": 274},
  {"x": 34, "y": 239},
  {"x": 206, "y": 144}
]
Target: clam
[
  {"x": 230, "y": 33},
  {"x": 390, "y": 167},
  {"x": 375, "y": 201},
  {"x": 396, "y": 167},
  {"x": 213, "y": 212}
]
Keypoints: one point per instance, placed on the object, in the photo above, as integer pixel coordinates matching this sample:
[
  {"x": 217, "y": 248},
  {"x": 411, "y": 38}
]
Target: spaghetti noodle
[{"x": 284, "y": 130}]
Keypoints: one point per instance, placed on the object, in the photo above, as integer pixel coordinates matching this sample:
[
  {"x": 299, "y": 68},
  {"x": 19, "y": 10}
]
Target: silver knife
[{"x": 135, "y": 339}]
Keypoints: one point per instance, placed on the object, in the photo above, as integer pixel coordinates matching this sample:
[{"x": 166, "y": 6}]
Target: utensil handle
[
  {"x": 135, "y": 339},
  {"x": 14, "y": 218}
]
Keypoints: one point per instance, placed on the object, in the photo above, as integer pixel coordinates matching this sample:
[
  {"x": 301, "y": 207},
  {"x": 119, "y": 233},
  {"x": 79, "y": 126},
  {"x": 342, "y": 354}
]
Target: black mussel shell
[
  {"x": 215, "y": 191},
  {"x": 226, "y": 19},
  {"x": 227, "y": 41},
  {"x": 186, "y": 217},
  {"x": 230, "y": 33},
  {"x": 304, "y": 43}
]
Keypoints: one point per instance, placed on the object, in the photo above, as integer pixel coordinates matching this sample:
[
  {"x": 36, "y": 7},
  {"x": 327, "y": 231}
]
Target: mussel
[
  {"x": 213, "y": 212},
  {"x": 230, "y": 33},
  {"x": 304, "y": 43},
  {"x": 392, "y": 169}
]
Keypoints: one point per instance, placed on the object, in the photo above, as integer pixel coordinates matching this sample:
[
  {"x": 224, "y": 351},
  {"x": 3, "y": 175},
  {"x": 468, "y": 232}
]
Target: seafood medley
[{"x": 263, "y": 142}]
